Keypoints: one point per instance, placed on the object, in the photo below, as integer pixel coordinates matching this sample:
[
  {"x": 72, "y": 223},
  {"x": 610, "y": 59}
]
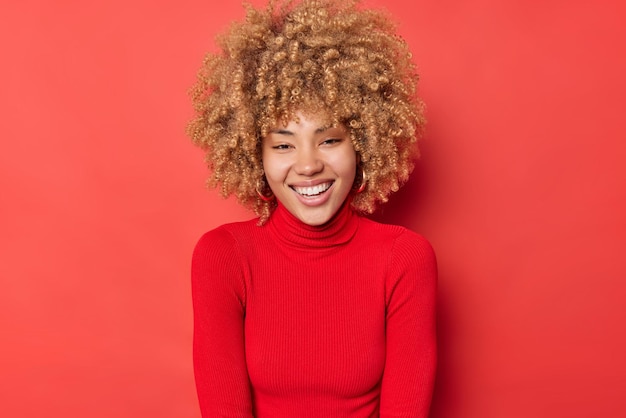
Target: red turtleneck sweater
[{"x": 297, "y": 321}]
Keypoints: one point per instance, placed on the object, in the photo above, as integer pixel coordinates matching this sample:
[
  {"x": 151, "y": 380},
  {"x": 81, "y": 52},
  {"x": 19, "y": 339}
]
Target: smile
[{"x": 313, "y": 190}]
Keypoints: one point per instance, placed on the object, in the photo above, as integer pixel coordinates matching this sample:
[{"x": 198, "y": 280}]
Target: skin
[{"x": 310, "y": 167}]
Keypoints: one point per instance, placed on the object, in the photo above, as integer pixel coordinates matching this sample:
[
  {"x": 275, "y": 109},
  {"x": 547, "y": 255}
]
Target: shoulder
[
  {"x": 402, "y": 239},
  {"x": 412, "y": 271},
  {"x": 218, "y": 260},
  {"x": 412, "y": 255},
  {"x": 413, "y": 248},
  {"x": 406, "y": 249},
  {"x": 224, "y": 242}
]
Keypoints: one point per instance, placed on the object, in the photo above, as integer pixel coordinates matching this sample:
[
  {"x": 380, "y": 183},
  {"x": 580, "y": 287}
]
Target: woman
[{"x": 308, "y": 116}]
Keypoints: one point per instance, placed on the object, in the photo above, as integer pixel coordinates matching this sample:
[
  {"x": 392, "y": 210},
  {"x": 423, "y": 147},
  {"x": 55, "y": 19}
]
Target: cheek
[
  {"x": 274, "y": 169},
  {"x": 345, "y": 164},
  {"x": 266, "y": 162}
]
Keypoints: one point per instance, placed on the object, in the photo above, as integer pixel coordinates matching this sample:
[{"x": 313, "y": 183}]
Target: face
[{"x": 310, "y": 167}]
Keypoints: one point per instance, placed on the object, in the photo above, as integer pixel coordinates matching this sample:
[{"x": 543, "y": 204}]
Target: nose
[{"x": 308, "y": 162}]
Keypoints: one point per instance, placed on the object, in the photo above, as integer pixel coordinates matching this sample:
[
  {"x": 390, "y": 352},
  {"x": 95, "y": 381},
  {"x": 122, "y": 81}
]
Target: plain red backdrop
[{"x": 521, "y": 190}]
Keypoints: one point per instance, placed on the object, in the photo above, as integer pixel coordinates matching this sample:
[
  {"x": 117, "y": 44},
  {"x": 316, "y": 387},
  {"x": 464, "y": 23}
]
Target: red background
[{"x": 521, "y": 189}]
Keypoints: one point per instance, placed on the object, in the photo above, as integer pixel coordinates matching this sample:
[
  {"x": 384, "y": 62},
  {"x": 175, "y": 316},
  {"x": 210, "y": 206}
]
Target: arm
[
  {"x": 411, "y": 359},
  {"x": 218, "y": 295}
]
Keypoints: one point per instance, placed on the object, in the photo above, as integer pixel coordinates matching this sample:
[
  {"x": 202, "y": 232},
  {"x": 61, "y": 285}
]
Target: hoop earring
[
  {"x": 363, "y": 183},
  {"x": 262, "y": 196}
]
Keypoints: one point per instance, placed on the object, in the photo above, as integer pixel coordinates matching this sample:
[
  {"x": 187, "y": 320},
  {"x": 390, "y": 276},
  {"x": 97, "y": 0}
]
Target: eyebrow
[{"x": 288, "y": 132}]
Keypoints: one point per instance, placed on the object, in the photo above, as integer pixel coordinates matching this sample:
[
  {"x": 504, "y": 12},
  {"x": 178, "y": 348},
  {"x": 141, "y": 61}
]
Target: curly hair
[{"x": 321, "y": 56}]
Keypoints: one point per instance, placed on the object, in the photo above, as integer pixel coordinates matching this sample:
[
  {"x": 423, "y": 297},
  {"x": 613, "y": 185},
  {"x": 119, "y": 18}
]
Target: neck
[{"x": 338, "y": 230}]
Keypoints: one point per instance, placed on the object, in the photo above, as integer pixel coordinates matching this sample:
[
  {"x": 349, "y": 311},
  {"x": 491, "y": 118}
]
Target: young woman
[{"x": 308, "y": 116}]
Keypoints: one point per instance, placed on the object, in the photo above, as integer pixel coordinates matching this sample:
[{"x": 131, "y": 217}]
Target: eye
[
  {"x": 281, "y": 146},
  {"x": 331, "y": 141}
]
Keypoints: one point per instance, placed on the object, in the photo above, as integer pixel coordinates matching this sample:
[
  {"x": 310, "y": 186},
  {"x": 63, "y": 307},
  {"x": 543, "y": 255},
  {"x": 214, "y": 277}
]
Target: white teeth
[{"x": 314, "y": 190}]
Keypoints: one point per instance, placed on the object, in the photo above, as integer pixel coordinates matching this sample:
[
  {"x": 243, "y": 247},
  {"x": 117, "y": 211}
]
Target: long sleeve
[
  {"x": 218, "y": 294},
  {"x": 292, "y": 320},
  {"x": 411, "y": 354}
]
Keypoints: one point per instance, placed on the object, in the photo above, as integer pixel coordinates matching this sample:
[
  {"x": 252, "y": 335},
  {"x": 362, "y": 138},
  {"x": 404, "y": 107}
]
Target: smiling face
[{"x": 310, "y": 167}]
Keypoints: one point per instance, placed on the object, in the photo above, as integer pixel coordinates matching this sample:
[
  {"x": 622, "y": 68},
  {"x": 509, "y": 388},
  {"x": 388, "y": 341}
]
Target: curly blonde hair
[{"x": 320, "y": 56}]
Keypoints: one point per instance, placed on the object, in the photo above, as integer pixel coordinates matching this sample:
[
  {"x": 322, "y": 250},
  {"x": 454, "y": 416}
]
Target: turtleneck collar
[{"x": 286, "y": 228}]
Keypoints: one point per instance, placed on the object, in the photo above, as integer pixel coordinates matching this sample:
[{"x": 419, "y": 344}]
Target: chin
[
  {"x": 314, "y": 220},
  {"x": 318, "y": 216}
]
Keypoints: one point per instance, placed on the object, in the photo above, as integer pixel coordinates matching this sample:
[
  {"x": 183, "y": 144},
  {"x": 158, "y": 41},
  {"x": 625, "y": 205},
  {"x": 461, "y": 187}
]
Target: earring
[
  {"x": 264, "y": 197},
  {"x": 363, "y": 183}
]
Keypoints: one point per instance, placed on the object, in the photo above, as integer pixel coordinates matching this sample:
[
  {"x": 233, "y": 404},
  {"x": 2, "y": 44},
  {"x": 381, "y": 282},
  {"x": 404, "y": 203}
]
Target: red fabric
[{"x": 298, "y": 321}]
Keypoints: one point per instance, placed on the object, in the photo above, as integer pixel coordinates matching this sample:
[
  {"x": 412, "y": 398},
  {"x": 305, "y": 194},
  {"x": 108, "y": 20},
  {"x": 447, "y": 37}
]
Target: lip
[
  {"x": 311, "y": 191},
  {"x": 310, "y": 183},
  {"x": 314, "y": 200}
]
